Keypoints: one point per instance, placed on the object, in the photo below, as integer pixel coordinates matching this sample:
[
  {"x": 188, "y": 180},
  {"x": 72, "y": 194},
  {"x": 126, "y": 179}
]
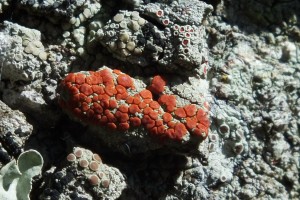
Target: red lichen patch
[
  {"x": 84, "y": 106},
  {"x": 135, "y": 121},
  {"x": 110, "y": 116},
  {"x": 110, "y": 90},
  {"x": 123, "y": 126},
  {"x": 171, "y": 124},
  {"x": 146, "y": 94},
  {"x": 98, "y": 89},
  {"x": 101, "y": 98},
  {"x": 169, "y": 101},
  {"x": 84, "y": 98},
  {"x": 205, "y": 122},
  {"x": 158, "y": 84},
  {"x": 122, "y": 117},
  {"x": 200, "y": 133},
  {"x": 154, "y": 104},
  {"x": 123, "y": 108},
  {"x": 80, "y": 79},
  {"x": 153, "y": 130},
  {"x": 159, "y": 123},
  {"x": 111, "y": 126},
  {"x": 169, "y": 132},
  {"x": 73, "y": 90},
  {"x": 147, "y": 101},
  {"x": 200, "y": 114},
  {"x": 117, "y": 71},
  {"x": 113, "y": 104},
  {"x": 134, "y": 109},
  {"x": 125, "y": 80},
  {"x": 90, "y": 113},
  {"x": 142, "y": 105},
  {"x": 70, "y": 78},
  {"x": 93, "y": 80},
  {"x": 147, "y": 110},
  {"x": 86, "y": 89},
  {"x": 129, "y": 100},
  {"x": 136, "y": 99},
  {"x": 97, "y": 108},
  {"x": 121, "y": 89},
  {"x": 190, "y": 110},
  {"x": 167, "y": 117},
  {"x": 148, "y": 122},
  {"x": 107, "y": 76},
  {"x": 103, "y": 120},
  {"x": 122, "y": 96},
  {"x": 153, "y": 115},
  {"x": 77, "y": 112},
  {"x": 191, "y": 123},
  {"x": 179, "y": 112},
  {"x": 180, "y": 131},
  {"x": 160, "y": 129},
  {"x": 104, "y": 102}
]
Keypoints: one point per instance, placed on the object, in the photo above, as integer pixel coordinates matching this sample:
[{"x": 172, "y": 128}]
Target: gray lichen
[
  {"x": 245, "y": 65},
  {"x": 93, "y": 178}
]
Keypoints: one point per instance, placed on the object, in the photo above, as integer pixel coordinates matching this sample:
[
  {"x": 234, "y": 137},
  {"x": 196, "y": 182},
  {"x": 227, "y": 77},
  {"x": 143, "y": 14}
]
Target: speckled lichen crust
[
  {"x": 93, "y": 179},
  {"x": 14, "y": 132},
  {"x": 113, "y": 99},
  {"x": 170, "y": 35},
  {"x": 26, "y": 53}
]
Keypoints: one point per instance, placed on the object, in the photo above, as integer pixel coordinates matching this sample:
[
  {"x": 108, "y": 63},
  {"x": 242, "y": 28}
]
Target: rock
[
  {"x": 85, "y": 170},
  {"x": 14, "y": 132}
]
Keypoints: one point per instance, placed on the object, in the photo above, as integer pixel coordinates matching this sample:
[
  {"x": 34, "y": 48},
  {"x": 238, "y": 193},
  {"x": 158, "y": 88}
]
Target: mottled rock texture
[{"x": 237, "y": 59}]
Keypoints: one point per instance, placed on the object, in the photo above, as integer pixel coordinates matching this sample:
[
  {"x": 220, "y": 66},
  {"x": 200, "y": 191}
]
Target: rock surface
[
  {"x": 14, "y": 132},
  {"x": 241, "y": 57}
]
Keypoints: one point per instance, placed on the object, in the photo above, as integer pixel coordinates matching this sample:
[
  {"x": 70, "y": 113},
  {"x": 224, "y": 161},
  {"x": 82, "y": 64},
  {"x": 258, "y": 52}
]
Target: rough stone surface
[
  {"x": 84, "y": 175},
  {"x": 14, "y": 132},
  {"x": 171, "y": 35},
  {"x": 245, "y": 58},
  {"x": 21, "y": 60}
]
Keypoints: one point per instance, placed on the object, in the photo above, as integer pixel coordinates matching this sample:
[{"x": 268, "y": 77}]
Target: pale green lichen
[{"x": 16, "y": 177}]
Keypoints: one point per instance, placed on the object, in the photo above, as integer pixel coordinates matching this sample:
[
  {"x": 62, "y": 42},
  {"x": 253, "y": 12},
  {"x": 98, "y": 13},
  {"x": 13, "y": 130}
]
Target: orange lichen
[
  {"x": 125, "y": 80},
  {"x": 134, "y": 109},
  {"x": 110, "y": 90},
  {"x": 146, "y": 94},
  {"x": 80, "y": 79},
  {"x": 123, "y": 108},
  {"x": 179, "y": 112},
  {"x": 109, "y": 98},
  {"x": 120, "y": 89},
  {"x": 158, "y": 84},
  {"x": 190, "y": 110},
  {"x": 180, "y": 131},
  {"x": 135, "y": 121},
  {"x": 167, "y": 117}
]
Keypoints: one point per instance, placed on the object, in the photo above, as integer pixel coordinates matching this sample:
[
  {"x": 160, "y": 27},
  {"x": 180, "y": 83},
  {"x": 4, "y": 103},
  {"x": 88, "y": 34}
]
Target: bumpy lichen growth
[
  {"x": 110, "y": 98},
  {"x": 93, "y": 179},
  {"x": 171, "y": 36}
]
